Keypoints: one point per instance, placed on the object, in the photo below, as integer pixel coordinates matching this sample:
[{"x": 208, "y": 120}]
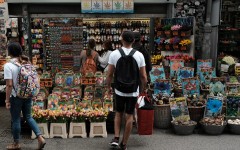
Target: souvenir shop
[{"x": 186, "y": 91}]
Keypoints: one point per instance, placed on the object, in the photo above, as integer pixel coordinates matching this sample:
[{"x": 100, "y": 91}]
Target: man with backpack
[
  {"x": 22, "y": 84},
  {"x": 128, "y": 67}
]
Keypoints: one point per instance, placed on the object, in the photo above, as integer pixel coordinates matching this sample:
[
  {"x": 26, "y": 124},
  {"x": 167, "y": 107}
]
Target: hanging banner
[
  {"x": 107, "y": 6},
  {"x": 86, "y": 6},
  {"x": 97, "y": 6},
  {"x": 117, "y": 6},
  {"x": 128, "y": 6}
]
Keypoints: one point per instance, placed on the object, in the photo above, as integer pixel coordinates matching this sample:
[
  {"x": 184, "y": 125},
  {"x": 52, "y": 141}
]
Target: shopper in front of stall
[
  {"x": 89, "y": 58},
  {"x": 16, "y": 104},
  {"x": 128, "y": 67},
  {"x": 103, "y": 59},
  {"x": 139, "y": 46}
]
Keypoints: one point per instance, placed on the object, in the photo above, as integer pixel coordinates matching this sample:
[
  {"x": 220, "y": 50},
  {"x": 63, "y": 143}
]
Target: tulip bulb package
[
  {"x": 185, "y": 72},
  {"x": 157, "y": 72},
  {"x": 175, "y": 65},
  {"x": 201, "y": 63},
  {"x": 213, "y": 106},
  {"x": 233, "y": 106},
  {"x": 217, "y": 86},
  {"x": 190, "y": 86},
  {"x": 179, "y": 109},
  {"x": 162, "y": 87}
]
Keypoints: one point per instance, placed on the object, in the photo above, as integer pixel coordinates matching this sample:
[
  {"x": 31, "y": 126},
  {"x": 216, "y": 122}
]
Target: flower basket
[
  {"x": 196, "y": 113},
  {"x": 214, "y": 129},
  {"x": 184, "y": 129},
  {"x": 58, "y": 130},
  {"x": 186, "y": 33},
  {"x": 234, "y": 128},
  {"x": 162, "y": 116}
]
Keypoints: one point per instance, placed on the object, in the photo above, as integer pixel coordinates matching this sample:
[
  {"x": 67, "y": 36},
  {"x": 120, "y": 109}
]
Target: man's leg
[
  {"x": 117, "y": 123},
  {"x": 120, "y": 104},
  {"x": 130, "y": 107},
  {"x": 128, "y": 128}
]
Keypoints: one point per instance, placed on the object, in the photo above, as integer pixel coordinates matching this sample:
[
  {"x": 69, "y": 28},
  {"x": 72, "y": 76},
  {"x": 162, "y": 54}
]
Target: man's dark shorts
[{"x": 126, "y": 104}]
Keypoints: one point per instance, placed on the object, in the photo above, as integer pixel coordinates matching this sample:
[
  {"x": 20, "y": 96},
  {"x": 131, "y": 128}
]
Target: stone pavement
[{"x": 160, "y": 140}]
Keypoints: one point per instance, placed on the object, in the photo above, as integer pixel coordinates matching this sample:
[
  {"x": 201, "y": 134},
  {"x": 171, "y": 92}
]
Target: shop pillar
[{"x": 206, "y": 50}]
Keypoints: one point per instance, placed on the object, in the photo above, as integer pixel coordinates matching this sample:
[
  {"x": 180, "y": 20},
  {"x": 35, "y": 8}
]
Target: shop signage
[{"x": 107, "y": 6}]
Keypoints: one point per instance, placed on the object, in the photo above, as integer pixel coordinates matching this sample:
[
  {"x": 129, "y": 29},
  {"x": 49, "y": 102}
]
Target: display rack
[
  {"x": 103, "y": 29},
  {"x": 63, "y": 44}
]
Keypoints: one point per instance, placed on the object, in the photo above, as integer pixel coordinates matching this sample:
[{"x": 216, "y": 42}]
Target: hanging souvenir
[
  {"x": 77, "y": 79},
  {"x": 69, "y": 79},
  {"x": 88, "y": 93}
]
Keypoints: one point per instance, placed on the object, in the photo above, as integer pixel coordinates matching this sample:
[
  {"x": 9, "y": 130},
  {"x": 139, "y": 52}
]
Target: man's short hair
[{"x": 128, "y": 36}]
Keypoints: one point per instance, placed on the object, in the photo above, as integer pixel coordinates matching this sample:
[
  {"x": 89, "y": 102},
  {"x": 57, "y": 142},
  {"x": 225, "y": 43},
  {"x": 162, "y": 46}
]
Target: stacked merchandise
[
  {"x": 104, "y": 29},
  {"x": 63, "y": 44},
  {"x": 37, "y": 42}
]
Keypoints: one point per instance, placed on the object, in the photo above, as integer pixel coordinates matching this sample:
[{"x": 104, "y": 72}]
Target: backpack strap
[
  {"x": 121, "y": 52},
  {"x": 132, "y": 52}
]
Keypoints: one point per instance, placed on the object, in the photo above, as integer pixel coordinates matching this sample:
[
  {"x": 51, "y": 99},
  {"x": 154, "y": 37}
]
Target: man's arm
[
  {"x": 111, "y": 69},
  {"x": 143, "y": 77},
  {"x": 9, "y": 86}
]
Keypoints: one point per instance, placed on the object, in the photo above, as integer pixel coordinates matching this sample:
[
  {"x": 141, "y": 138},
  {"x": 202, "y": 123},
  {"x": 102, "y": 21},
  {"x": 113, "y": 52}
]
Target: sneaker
[
  {"x": 114, "y": 143},
  {"x": 123, "y": 147}
]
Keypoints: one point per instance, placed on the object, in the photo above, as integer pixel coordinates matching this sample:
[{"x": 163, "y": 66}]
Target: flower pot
[
  {"x": 196, "y": 113},
  {"x": 168, "y": 33},
  {"x": 185, "y": 48},
  {"x": 176, "y": 47},
  {"x": 98, "y": 129},
  {"x": 168, "y": 47},
  {"x": 213, "y": 129},
  {"x": 184, "y": 129},
  {"x": 58, "y": 130},
  {"x": 77, "y": 130},
  {"x": 186, "y": 33},
  {"x": 175, "y": 33},
  {"x": 44, "y": 130},
  {"x": 162, "y": 116}
]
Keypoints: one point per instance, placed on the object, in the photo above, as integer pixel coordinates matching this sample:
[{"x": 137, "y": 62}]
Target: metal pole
[{"x": 206, "y": 51}]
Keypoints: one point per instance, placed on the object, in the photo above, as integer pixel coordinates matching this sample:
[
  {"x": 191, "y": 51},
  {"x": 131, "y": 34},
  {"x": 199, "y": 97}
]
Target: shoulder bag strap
[{"x": 132, "y": 52}]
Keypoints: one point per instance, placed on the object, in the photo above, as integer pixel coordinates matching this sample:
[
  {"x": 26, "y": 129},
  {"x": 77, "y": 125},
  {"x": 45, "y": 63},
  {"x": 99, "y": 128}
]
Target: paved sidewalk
[{"x": 160, "y": 140}]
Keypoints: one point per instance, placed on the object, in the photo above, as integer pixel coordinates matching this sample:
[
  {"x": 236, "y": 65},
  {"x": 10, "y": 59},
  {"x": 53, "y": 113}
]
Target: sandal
[
  {"x": 41, "y": 144},
  {"x": 13, "y": 147}
]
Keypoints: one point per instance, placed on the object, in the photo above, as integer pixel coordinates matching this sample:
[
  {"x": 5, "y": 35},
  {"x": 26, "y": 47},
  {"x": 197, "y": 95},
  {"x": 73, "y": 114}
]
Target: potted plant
[
  {"x": 41, "y": 117},
  {"x": 175, "y": 29},
  {"x": 185, "y": 44},
  {"x": 77, "y": 124},
  {"x": 58, "y": 126},
  {"x": 186, "y": 31},
  {"x": 167, "y": 30},
  {"x": 97, "y": 119}
]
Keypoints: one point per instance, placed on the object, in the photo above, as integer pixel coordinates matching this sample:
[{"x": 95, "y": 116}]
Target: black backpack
[{"x": 126, "y": 77}]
